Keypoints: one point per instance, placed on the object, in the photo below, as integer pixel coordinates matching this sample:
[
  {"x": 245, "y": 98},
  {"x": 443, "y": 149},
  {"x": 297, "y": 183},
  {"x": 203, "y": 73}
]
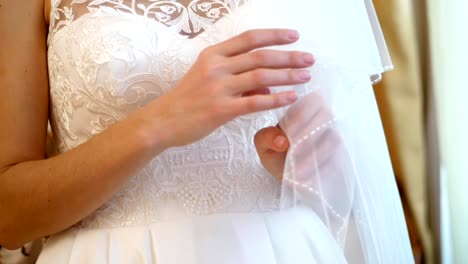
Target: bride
[{"x": 196, "y": 131}]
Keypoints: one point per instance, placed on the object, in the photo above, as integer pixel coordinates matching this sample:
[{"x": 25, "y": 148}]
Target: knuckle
[
  {"x": 295, "y": 57},
  {"x": 289, "y": 75},
  {"x": 281, "y": 35},
  {"x": 212, "y": 89},
  {"x": 260, "y": 56},
  {"x": 215, "y": 111},
  {"x": 215, "y": 108},
  {"x": 259, "y": 135},
  {"x": 260, "y": 77},
  {"x": 220, "y": 112},
  {"x": 251, "y": 37},
  {"x": 209, "y": 71},
  {"x": 207, "y": 66},
  {"x": 277, "y": 101},
  {"x": 252, "y": 104},
  {"x": 205, "y": 53}
]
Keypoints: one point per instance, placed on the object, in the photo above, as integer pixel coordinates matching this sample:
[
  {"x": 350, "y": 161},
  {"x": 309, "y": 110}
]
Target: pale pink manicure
[
  {"x": 308, "y": 58},
  {"x": 279, "y": 141},
  {"x": 293, "y": 35},
  {"x": 304, "y": 75}
]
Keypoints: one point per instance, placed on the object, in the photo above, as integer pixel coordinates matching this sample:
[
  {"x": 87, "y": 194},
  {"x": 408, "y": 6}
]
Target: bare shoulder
[{"x": 24, "y": 86}]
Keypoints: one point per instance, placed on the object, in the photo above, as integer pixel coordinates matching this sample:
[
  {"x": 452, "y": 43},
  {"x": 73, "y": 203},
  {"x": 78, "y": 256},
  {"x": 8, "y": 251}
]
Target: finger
[
  {"x": 271, "y": 139},
  {"x": 322, "y": 150},
  {"x": 254, "y": 39},
  {"x": 257, "y": 103},
  {"x": 272, "y": 145},
  {"x": 322, "y": 145},
  {"x": 304, "y": 123},
  {"x": 266, "y": 78},
  {"x": 272, "y": 59},
  {"x": 310, "y": 110},
  {"x": 260, "y": 91}
]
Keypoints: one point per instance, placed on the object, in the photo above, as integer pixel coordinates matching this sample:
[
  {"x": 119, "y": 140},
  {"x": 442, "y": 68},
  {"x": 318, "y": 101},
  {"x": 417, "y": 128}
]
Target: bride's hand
[
  {"x": 228, "y": 80},
  {"x": 272, "y": 146},
  {"x": 299, "y": 121}
]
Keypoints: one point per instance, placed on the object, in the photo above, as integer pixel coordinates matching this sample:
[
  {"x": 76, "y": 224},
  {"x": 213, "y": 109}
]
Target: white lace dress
[{"x": 208, "y": 202}]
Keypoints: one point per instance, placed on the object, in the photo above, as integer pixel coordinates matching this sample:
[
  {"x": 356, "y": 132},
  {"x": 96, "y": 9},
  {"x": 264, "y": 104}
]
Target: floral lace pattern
[
  {"x": 119, "y": 56},
  {"x": 188, "y": 18}
]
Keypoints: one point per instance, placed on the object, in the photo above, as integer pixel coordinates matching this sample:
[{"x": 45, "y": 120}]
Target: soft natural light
[{"x": 448, "y": 20}]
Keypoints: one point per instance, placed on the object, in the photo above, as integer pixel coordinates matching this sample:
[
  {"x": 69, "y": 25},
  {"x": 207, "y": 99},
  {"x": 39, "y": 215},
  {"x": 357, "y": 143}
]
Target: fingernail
[
  {"x": 293, "y": 35},
  {"x": 291, "y": 97},
  {"x": 280, "y": 141},
  {"x": 308, "y": 58},
  {"x": 304, "y": 75}
]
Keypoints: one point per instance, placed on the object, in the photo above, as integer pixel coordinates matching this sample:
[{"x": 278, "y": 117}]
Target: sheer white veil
[{"x": 338, "y": 164}]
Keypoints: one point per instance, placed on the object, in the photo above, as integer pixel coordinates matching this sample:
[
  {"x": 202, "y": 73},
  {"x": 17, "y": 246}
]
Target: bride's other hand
[
  {"x": 228, "y": 80},
  {"x": 310, "y": 118},
  {"x": 272, "y": 145}
]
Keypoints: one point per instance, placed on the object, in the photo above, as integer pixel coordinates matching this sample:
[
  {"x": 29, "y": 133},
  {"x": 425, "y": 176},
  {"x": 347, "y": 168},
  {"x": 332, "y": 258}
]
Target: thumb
[{"x": 271, "y": 138}]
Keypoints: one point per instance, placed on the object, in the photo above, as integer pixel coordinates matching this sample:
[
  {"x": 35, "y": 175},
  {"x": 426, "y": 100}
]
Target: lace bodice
[
  {"x": 110, "y": 57},
  {"x": 188, "y": 17}
]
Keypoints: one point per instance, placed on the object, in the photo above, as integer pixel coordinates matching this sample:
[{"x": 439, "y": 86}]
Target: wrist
[{"x": 150, "y": 131}]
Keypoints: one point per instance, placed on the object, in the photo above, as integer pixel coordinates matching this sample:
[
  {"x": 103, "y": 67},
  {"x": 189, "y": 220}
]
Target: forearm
[{"x": 39, "y": 198}]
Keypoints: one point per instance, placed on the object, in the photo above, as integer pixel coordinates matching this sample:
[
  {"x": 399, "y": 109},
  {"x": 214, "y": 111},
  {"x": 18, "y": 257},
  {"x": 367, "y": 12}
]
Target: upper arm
[{"x": 24, "y": 92}]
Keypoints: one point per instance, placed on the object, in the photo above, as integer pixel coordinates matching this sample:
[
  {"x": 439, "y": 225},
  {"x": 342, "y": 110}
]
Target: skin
[{"x": 40, "y": 196}]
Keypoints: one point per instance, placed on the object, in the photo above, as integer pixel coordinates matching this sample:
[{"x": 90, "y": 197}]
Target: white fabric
[
  {"x": 211, "y": 201},
  {"x": 294, "y": 237}
]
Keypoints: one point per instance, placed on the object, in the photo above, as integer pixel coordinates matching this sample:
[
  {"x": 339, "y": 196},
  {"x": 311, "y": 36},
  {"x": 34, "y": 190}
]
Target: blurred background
[{"x": 423, "y": 103}]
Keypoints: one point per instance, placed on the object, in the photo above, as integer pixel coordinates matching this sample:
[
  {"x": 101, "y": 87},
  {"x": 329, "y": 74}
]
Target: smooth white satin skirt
[{"x": 292, "y": 236}]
